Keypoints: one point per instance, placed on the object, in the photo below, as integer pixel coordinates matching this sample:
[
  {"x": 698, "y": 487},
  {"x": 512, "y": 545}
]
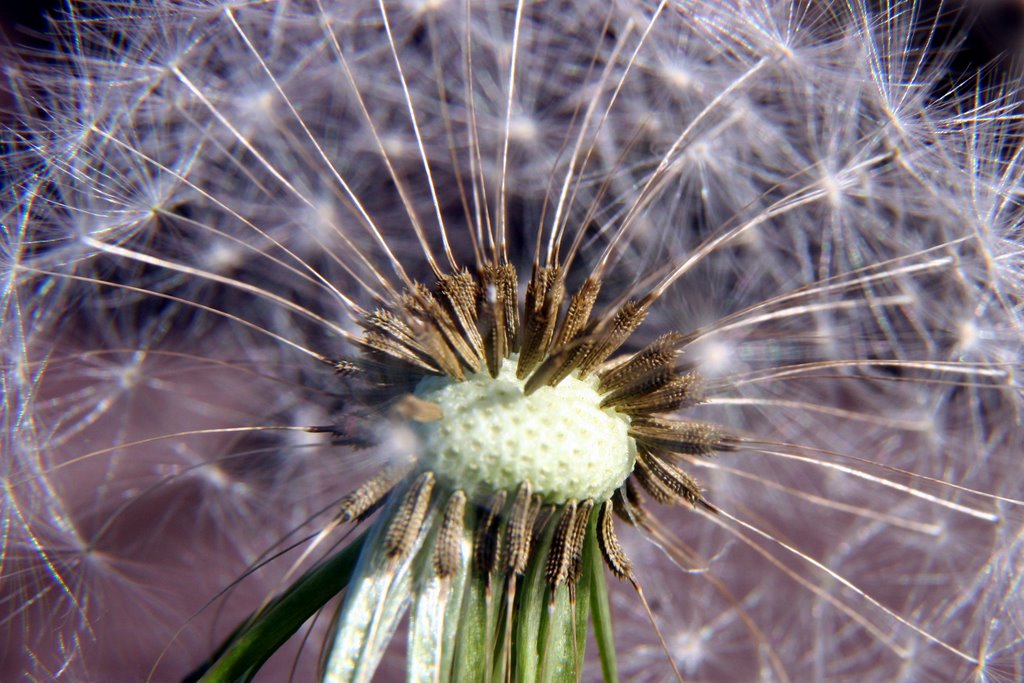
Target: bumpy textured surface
[{"x": 493, "y": 437}]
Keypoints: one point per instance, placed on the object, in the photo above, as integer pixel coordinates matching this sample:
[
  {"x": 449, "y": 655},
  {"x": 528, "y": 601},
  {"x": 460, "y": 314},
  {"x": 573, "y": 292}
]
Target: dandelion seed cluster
[{"x": 265, "y": 266}]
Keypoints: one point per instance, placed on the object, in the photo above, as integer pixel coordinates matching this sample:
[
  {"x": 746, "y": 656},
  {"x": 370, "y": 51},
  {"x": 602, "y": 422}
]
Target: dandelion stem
[
  {"x": 604, "y": 634},
  {"x": 263, "y": 633}
]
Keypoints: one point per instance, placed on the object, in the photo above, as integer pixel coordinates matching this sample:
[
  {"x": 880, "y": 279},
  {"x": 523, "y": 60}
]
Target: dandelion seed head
[{"x": 186, "y": 256}]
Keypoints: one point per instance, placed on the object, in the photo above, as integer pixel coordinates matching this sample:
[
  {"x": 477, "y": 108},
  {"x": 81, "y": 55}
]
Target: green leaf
[
  {"x": 604, "y": 634},
  {"x": 532, "y": 603},
  {"x": 558, "y": 647},
  {"x": 472, "y": 652},
  {"x": 249, "y": 647},
  {"x": 434, "y": 618},
  {"x": 585, "y": 587},
  {"x": 378, "y": 594},
  {"x": 564, "y": 625}
]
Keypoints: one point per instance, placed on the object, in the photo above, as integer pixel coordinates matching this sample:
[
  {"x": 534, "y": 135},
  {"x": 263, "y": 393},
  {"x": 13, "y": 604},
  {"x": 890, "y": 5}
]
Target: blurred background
[{"x": 994, "y": 35}]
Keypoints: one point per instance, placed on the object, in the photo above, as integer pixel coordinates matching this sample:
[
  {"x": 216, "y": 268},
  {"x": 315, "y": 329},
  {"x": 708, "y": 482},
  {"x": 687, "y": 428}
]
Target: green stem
[
  {"x": 264, "y": 632},
  {"x": 604, "y": 634},
  {"x": 532, "y": 604}
]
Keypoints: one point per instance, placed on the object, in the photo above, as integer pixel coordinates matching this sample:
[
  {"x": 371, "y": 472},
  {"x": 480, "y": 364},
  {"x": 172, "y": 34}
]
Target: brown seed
[
  {"x": 509, "y": 282},
  {"x": 578, "y": 313},
  {"x": 642, "y": 385},
  {"x": 622, "y": 325},
  {"x": 459, "y": 293},
  {"x": 692, "y": 438},
  {"x": 579, "y": 535},
  {"x": 388, "y": 337},
  {"x": 485, "y": 545},
  {"x": 404, "y": 528},
  {"x": 556, "y": 367},
  {"x": 660, "y": 353},
  {"x": 361, "y": 502},
  {"x": 448, "y": 551},
  {"x": 680, "y": 391},
  {"x": 520, "y": 529},
  {"x": 491, "y": 323},
  {"x": 673, "y": 478},
  {"x": 612, "y": 551},
  {"x": 544, "y": 294},
  {"x": 387, "y": 323},
  {"x": 655, "y": 487},
  {"x": 382, "y": 354},
  {"x": 589, "y": 350},
  {"x": 422, "y": 305},
  {"x": 433, "y": 341},
  {"x": 498, "y": 314},
  {"x": 559, "y": 556}
]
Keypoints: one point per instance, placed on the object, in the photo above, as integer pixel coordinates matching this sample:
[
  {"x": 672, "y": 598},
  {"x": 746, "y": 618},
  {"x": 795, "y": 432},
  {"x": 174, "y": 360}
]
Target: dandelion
[{"x": 548, "y": 341}]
